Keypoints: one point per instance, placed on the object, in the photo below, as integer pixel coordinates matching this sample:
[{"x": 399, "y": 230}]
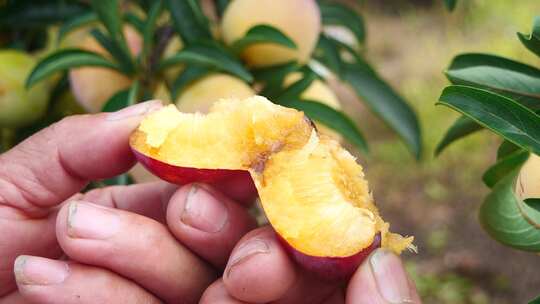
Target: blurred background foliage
[
  {"x": 411, "y": 42},
  {"x": 439, "y": 198}
]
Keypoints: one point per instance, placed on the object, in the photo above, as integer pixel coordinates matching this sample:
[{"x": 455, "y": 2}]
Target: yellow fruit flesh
[{"x": 312, "y": 190}]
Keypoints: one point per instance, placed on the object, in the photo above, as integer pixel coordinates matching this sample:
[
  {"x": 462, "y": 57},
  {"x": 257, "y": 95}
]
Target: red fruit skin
[
  {"x": 330, "y": 268},
  {"x": 237, "y": 184}
]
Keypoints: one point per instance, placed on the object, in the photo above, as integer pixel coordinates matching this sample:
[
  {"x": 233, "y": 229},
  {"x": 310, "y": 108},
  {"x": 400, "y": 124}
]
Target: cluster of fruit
[{"x": 92, "y": 87}]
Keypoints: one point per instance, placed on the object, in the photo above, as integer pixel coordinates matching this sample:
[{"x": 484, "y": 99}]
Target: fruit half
[{"x": 312, "y": 190}]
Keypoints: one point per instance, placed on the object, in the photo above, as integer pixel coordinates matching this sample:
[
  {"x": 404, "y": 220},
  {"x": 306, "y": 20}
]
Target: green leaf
[
  {"x": 76, "y": 22},
  {"x": 122, "y": 99},
  {"x": 504, "y": 167},
  {"x": 505, "y": 149},
  {"x": 533, "y": 203},
  {"x": 66, "y": 59},
  {"x": 535, "y": 301},
  {"x": 328, "y": 53},
  {"x": 385, "y": 102},
  {"x": 273, "y": 76},
  {"x": 501, "y": 75},
  {"x": 339, "y": 14},
  {"x": 262, "y": 33},
  {"x": 133, "y": 93},
  {"x": 462, "y": 127},
  {"x": 209, "y": 56},
  {"x": 188, "y": 75},
  {"x": 294, "y": 91},
  {"x": 117, "y": 101},
  {"x": 120, "y": 180},
  {"x": 508, "y": 219},
  {"x": 381, "y": 98},
  {"x": 123, "y": 59},
  {"x": 450, "y": 4},
  {"x": 333, "y": 119},
  {"x": 270, "y": 73},
  {"x": 502, "y": 115},
  {"x": 37, "y": 14},
  {"x": 221, "y": 5},
  {"x": 135, "y": 21},
  {"x": 150, "y": 27},
  {"x": 109, "y": 14},
  {"x": 532, "y": 41},
  {"x": 189, "y": 20}
]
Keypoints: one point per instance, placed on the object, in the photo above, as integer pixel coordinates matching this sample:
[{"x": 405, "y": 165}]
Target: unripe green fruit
[{"x": 19, "y": 107}]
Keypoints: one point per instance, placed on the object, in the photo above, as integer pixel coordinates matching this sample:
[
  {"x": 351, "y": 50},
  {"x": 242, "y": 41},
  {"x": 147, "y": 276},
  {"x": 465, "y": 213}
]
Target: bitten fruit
[{"x": 311, "y": 189}]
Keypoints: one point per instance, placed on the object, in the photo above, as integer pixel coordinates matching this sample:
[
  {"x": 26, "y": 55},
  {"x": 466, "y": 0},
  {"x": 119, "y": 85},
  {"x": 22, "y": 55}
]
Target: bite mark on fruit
[
  {"x": 312, "y": 190},
  {"x": 259, "y": 163}
]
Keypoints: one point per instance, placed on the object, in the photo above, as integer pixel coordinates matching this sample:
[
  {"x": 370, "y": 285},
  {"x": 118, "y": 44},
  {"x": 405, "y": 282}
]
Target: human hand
[
  {"x": 259, "y": 271},
  {"x": 143, "y": 243}
]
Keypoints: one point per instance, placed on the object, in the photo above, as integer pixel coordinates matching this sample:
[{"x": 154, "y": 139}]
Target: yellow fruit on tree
[
  {"x": 300, "y": 20},
  {"x": 200, "y": 95},
  {"x": 19, "y": 107},
  {"x": 528, "y": 183},
  {"x": 320, "y": 92},
  {"x": 93, "y": 86}
]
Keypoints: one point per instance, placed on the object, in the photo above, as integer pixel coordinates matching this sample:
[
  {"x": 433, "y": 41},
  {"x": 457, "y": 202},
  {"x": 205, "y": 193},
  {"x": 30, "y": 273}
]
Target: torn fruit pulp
[{"x": 312, "y": 190}]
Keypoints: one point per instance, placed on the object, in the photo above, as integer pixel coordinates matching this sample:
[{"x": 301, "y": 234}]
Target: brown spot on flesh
[
  {"x": 259, "y": 163},
  {"x": 311, "y": 123}
]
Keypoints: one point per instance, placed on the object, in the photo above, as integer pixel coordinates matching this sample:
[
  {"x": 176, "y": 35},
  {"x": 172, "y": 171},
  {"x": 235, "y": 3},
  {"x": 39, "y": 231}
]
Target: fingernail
[
  {"x": 39, "y": 271},
  {"x": 203, "y": 211},
  {"x": 139, "y": 109},
  {"x": 90, "y": 221},
  {"x": 390, "y": 277},
  {"x": 245, "y": 252}
]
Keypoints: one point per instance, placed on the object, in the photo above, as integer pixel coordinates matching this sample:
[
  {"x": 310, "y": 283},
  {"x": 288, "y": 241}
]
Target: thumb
[
  {"x": 43, "y": 171},
  {"x": 382, "y": 279}
]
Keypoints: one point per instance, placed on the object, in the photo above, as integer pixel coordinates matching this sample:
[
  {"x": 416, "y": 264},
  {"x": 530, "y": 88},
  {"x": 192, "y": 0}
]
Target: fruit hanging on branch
[
  {"x": 515, "y": 196},
  {"x": 94, "y": 86},
  {"x": 201, "y": 94},
  {"x": 528, "y": 180},
  {"x": 312, "y": 190},
  {"x": 318, "y": 91},
  {"x": 20, "y": 107},
  {"x": 299, "y": 20}
]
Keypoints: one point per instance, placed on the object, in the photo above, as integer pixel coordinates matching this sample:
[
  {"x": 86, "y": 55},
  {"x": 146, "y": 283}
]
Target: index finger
[{"x": 58, "y": 161}]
